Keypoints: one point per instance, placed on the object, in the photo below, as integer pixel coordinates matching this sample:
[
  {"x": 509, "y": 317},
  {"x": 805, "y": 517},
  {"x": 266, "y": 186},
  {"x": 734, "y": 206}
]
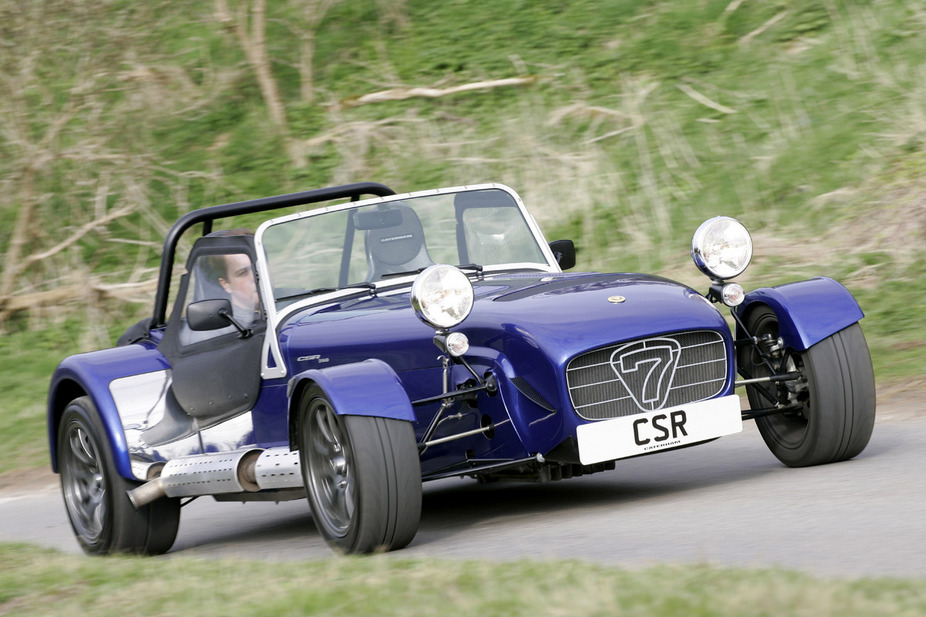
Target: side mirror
[
  {"x": 209, "y": 314},
  {"x": 565, "y": 253}
]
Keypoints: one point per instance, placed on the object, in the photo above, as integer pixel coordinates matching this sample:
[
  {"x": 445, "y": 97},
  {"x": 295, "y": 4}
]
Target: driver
[
  {"x": 234, "y": 272},
  {"x": 238, "y": 281}
]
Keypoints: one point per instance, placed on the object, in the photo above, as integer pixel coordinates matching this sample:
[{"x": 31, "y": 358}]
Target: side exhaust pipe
[{"x": 239, "y": 471}]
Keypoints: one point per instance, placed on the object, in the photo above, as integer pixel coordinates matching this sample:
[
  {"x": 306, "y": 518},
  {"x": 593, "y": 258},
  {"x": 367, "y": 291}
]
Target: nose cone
[{"x": 570, "y": 315}]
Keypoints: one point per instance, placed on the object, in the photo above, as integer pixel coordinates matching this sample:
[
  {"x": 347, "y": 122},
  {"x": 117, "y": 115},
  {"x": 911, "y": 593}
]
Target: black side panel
[
  {"x": 215, "y": 375},
  {"x": 220, "y": 382}
]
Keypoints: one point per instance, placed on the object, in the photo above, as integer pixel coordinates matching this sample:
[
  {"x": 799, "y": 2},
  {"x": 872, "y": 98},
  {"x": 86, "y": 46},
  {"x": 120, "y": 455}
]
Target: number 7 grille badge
[{"x": 646, "y": 369}]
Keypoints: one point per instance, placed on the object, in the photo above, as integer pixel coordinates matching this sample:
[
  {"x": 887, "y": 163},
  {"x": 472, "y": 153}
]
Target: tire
[
  {"x": 362, "y": 477},
  {"x": 837, "y": 396},
  {"x": 101, "y": 515}
]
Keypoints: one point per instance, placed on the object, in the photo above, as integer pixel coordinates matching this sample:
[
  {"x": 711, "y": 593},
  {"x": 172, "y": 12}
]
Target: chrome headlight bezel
[
  {"x": 721, "y": 248},
  {"x": 442, "y": 296}
]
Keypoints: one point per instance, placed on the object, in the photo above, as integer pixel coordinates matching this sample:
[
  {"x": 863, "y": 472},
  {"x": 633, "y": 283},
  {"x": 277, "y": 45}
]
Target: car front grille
[{"x": 647, "y": 374}]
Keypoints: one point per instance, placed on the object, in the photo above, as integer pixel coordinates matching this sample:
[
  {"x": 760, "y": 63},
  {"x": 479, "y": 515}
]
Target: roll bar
[{"x": 206, "y": 216}]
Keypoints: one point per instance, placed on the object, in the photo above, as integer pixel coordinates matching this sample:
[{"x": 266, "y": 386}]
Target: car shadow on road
[{"x": 451, "y": 506}]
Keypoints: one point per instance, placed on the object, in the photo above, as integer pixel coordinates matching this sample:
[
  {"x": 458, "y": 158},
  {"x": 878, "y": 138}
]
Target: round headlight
[
  {"x": 721, "y": 248},
  {"x": 442, "y": 296}
]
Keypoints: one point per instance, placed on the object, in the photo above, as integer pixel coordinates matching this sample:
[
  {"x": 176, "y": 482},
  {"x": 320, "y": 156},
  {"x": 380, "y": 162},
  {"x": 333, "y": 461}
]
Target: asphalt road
[{"x": 724, "y": 503}]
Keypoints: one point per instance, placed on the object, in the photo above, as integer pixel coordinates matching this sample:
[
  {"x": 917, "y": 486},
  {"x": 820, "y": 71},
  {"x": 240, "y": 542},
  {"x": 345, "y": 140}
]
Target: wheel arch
[
  {"x": 90, "y": 374},
  {"x": 58, "y": 399},
  {"x": 61, "y": 396},
  {"x": 808, "y": 311},
  {"x": 368, "y": 388}
]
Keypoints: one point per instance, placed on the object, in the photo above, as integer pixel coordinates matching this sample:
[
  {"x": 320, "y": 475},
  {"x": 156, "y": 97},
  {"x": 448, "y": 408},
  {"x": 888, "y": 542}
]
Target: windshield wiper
[
  {"x": 322, "y": 290},
  {"x": 363, "y": 285},
  {"x": 390, "y": 275},
  {"x": 475, "y": 267}
]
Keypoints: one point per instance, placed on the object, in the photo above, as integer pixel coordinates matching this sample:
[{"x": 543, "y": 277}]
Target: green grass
[
  {"x": 43, "y": 582},
  {"x": 26, "y": 365}
]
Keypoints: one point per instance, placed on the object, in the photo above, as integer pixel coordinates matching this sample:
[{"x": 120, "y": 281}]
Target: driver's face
[{"x": 239, "y": 282}]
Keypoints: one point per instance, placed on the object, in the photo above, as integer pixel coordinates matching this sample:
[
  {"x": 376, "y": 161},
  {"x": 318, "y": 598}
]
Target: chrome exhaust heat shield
[{"x": 218, "y": 473}]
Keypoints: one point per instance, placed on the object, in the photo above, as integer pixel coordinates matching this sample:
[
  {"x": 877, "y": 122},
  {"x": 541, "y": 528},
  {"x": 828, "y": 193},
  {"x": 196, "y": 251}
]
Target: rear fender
[
  {"x": 368, "y": 388},
  {"x": 808, "y": 311},
  {"x": 90, "y": 374}
]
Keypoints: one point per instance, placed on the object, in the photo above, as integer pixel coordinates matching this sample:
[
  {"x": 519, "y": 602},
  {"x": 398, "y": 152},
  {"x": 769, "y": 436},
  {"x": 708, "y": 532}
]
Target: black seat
[{"x": 399, "y": 248}]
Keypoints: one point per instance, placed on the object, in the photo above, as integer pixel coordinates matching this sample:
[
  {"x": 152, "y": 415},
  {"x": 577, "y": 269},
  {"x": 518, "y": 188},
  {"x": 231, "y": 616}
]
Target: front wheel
[
  {"x": 836, "y": 394},
  {"x": 362, "y": 476},
  {"x": 101, "y": 515}
]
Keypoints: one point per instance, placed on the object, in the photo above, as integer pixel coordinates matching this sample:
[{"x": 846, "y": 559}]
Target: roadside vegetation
[{"x": 41, "y": 582}]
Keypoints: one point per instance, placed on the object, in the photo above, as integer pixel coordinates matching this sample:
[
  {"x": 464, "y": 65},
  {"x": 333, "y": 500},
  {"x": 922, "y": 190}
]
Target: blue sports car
[{"x": 362, "y": 342}]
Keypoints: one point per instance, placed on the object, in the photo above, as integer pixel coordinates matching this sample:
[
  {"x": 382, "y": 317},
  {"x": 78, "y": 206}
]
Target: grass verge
[{"x": 37, "y": 581}]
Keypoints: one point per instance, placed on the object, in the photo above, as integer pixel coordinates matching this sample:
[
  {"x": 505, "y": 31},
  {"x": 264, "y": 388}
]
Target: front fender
[
  {"x": 368, "y": 388},
  {"x": 808, "y": 311}
]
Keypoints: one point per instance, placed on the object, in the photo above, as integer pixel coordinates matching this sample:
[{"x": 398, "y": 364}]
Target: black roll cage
[{"x": 208, "y": 215}]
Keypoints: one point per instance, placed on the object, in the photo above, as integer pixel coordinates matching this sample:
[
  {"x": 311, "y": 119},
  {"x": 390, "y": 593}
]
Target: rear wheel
[
  {"x": 362, "y": 476},
  {"x": 836, "y": 394},
  {"x": 101, "y": 515}
]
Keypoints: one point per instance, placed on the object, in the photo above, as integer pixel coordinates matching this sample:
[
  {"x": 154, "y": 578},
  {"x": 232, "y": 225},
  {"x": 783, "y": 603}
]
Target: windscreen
[{"x": 343, "y": 245}]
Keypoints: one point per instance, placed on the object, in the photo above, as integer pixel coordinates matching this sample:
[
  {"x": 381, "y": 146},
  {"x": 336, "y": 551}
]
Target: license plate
[{"x": 663, "y": 429}]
